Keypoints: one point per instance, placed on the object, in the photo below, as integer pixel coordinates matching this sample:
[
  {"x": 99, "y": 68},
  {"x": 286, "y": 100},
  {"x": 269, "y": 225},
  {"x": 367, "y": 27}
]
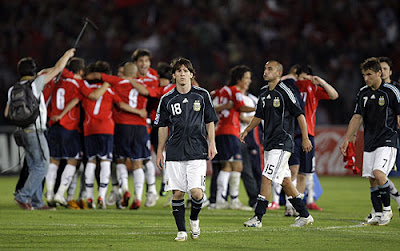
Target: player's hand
[
  {"x": 343, "y": 147},
  {"x": 306, "y": 145},
  {"x": 212, "y": 150},
  {"x": 230, "y": 105},
  {"x": 70, "y": 53},
  {"x": 56, "y": 117},
  {"x": 242, "y": 136},
  {"x": 160, "y": 161},
  {"x": 143, "y": 113}
]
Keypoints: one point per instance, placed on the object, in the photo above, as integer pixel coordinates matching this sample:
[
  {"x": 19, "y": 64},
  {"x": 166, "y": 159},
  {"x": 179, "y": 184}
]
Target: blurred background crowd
[{"x": 334, "y": 37}]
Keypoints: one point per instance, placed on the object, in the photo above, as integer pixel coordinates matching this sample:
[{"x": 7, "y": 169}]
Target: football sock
[
  {"x": 51, "y": 178},
  {"x": 105, "y": 171},
  {"x": 385, "y": 194},
  {"x": 178, "y": 210},
  {"x": 114, "y": 176},
  {"x": 310, "y": 188},
  {"x": 151, "y": 176},
  {"x": 299, "y": 205},
  {"x": 138, "y": 181},
  {"x": 122, "y": 176},
  {"x": 66, "y": 178},
  {"x": 89, "y": 179},
  {"x": 222, "y": 186},
  {"x": 196, "y": 207},
  {"x": 394, "y": 193},
  {"x": 376, "y": 199},
  {"x": 261, "y": 207},
  {"x": 234, "y": 184},
  {"x": 72, "y": 187}
]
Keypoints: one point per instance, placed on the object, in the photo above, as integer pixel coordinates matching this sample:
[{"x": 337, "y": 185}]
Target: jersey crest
[
  {"x": 196, "y": 105},
  {"x": 381, "y": 101},
  {"x": 276, "y": 103}
]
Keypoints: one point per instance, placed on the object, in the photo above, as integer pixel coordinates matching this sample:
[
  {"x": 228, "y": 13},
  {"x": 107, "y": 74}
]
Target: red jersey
[
  {"x": 129, "y": 95},
  {"x": 158, "y": 92},
  {"x": 151, "y": 80},
  {"x": 63, "y": 93},
  {"x": 229, "y": 121},
  {"x": 49, "y": 88},
  {"x": 311, "y": 94},
  {"x": 98, "y": 114}
]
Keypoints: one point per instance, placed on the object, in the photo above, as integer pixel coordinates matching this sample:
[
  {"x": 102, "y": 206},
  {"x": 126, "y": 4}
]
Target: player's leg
[
  {"x": 138, "y": 182},
  {"x": 294, "y": 166},
  {"x": 55, "y": 145},
  {"x": 224, "y": 154},
  {"x": 394, "y": 194}
]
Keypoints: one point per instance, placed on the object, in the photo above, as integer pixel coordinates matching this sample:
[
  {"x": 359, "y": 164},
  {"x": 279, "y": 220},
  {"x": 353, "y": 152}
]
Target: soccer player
[
  {"x": 278, "y": 107},
  {"x": 189, "y": 114},
  {"x": 378, "y": 109},
  {"x": 227, "y": 139}
]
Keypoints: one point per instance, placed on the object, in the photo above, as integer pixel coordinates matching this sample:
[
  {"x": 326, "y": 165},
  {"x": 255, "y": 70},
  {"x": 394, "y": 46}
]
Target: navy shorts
[
  {"x": 299, "y": 157},
  {"x": 99, "y": 145},
  {"x": 229, "y": 148},
  {"x": 63, "y": 143},
  {"x": 132, "y": 141}
]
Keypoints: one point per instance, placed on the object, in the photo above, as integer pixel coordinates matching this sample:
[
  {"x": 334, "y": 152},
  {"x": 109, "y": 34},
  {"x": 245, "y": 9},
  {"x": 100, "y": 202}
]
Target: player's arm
[
  {"x": 245, "y": 119},
  {"x": 354, "y": 125},
  {"x": 227, "y": 106},
  {"x": 6, "y": 110},
  {"x": 138, "y": 86},
  {"x": 212, "y": 149},
  {"x": 253, "y": 123},
  {"x": 61, "y": 63},
  {"x": 245, "y": 108},
  {"x": 67, "y": 108},
  {"x": 98, "y": 92},
  {"x": 306, "y": 143},
  {"x": 332, "y": 93},
  {"x": 124, "y": 106},
  {"x": 162, "y": 139},
  {"x": 93, "y": 76}
]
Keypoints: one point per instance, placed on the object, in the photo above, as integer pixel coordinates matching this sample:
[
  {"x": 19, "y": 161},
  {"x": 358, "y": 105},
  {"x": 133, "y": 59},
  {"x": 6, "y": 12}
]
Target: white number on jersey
[
  {"x": 304, "y": 96},
  {"x": 365, "y": 100},
  {"x": 96, "y": 109},
  {"x": 176, "y": 109},
  {"x": 133, "y": 97},
  {"x": 60, "y": 99}
]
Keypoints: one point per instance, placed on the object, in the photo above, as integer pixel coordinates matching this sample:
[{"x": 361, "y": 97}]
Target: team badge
[
  {"x": 276, "y": 103},
  {"x": 196, "y": 105},
  {"x": 381, "y": 101}
]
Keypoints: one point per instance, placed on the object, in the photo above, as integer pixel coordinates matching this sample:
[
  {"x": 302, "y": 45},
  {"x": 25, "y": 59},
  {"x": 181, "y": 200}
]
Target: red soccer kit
[
  {"x": 311, "y": 94},
  {"x": 50, "y": 86},
  {"x": 129, "y": 95},
  {"x": 98, "y": 114},
  {"x": 151, "y": 80},
  {"x": 229, "y": 122}
]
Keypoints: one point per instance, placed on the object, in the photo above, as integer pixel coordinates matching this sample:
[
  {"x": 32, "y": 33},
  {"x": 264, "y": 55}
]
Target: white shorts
[
  {"x": 382, "y": 159},
  {"x": 185, "y": 175},
  {"x": 276, "y": 165}
]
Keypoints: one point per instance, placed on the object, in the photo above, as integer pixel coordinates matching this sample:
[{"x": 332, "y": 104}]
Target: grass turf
[{"x": 338, "y": 227}]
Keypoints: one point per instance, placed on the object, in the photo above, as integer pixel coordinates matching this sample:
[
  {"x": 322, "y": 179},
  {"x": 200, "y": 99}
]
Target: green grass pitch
[{"x": 345, "y": 202}]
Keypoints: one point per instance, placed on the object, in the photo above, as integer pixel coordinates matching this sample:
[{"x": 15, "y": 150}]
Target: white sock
[
  {"x": 394, "y": 193},
  {"x": 310, "y": 188},
  {"x": 151, "y": 176},
  {"x": 72, "y": 187},
  {"x": 234, "y": 185},
  {"x": 66, "y": 179},
  {"x": 138, "y": 181},
  {"x": 122, "y": 176},
  {"x": 276, "y": 192},
  {"x": 51, "y": 177},
  {"x": 89, "y": 179},
  {"x": 105, "y": 172},
  {"x": 222, "y": 186}
]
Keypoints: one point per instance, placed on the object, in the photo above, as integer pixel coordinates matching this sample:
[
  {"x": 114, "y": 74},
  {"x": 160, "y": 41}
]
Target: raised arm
[
  {"x": 162, "y": 139},
  {"x": 332, "y": 93},
  {"x": 212, "y": 149},
  {"x": 354, "y": 125},
  {"x": 59, "y": 66}
]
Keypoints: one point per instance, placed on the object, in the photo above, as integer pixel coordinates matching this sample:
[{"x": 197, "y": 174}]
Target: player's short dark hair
[
  {"x": 372, "y": 64},
  {"x": 164, "y": 70},
  {"x": 237, "y": 73},
  {"x": 103, "y": 67},
  {"x": 26, "y": 67},
  {"x": 90, "y": 67},
  {"x": 386, "y": 60},
  {"x": 178, "y": 62},
  {"x": 76, "y": 64},
  {"x": 307, "y": 69},
  {"x": 140, "y": 53},
  {"x": 293, "y": 68}
]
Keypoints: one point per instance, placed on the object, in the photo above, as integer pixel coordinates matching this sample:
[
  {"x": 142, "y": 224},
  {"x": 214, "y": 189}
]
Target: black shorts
[
  {"x": 131, "y": 141},
  {"x": 299, "y": 157},
  {"x": 229, "y": 148},
  {"x": 63, "y": 143}
]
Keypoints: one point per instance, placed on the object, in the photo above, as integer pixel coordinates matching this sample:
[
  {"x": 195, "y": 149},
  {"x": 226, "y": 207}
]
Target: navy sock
[
  {"x": 196, "y": 207},
  {"x": 300, "y": 207},
  {"x": 384, "y": 191},
  {"x": 178, "y": 210},
  {"x": 376, "y": 199},
  {"x": 261, "y": 207}
]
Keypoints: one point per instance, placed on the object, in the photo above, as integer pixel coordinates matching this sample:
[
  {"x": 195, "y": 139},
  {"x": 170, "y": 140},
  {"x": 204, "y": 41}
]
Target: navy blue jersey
[
  {"x": 186, "y": 115},
  {"x": 379, "y": 110},
  {"x": 278, "y": 108}
]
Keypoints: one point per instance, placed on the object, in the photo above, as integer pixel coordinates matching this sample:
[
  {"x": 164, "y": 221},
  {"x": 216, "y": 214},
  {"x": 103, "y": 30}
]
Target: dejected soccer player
[{"x": 188, "y": 112}]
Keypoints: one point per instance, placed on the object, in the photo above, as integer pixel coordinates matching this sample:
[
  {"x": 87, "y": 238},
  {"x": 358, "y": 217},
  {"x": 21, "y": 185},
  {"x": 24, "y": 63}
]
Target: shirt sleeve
[
  {"x": 238, "y": 100},
  {"x": 321, "y": 94},
  {"x": 40, "y": 83},
  {"x": 116, "y": 98},
  {"x": 293, "y": 104},
  {"x": 162, "y": 115},
  {"x": 84, "y": 88},
  {"x": 113, "y": 80},
  {"x": 358, "y": 108},
  {"x": 259, "y": 110},
  {"x": 209, "y": 112}
]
